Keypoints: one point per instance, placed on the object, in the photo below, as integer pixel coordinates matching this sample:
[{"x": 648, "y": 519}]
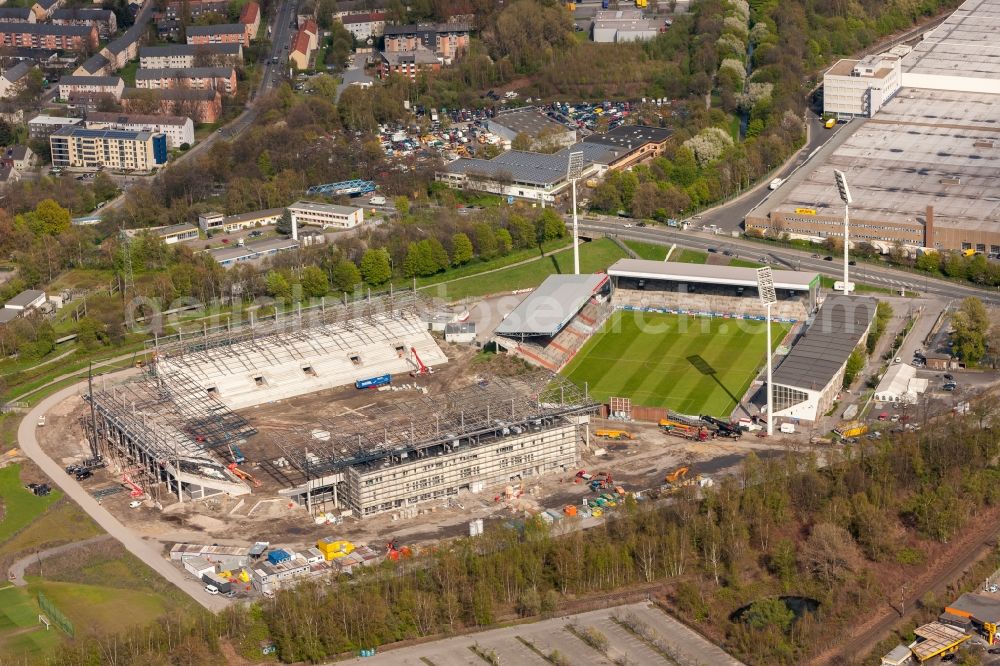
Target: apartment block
[
  {"x": 104, "y": 19},
  {"x": 113, "y": 149},
  {"x": 73, "y": 86},
  {"x": 222, "y": 79},
  {"x": 181, "y": 56},
  {"x": 223, "y": 33},
  {"x": 48, "y": 36},
  {"x": 178, "y": 129},
  {"x": 445, "y": 39}
]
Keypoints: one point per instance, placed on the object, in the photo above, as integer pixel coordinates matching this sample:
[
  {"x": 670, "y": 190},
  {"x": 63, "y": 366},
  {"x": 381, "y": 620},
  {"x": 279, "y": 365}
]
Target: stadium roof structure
[
  {"x": 550, "y": 307},
  {"x": 819, "y": 354},
  {"x": 644, "y": 269}
]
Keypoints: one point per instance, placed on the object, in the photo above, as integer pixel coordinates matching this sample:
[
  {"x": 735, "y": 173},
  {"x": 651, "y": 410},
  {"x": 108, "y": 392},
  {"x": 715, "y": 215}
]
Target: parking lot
[{"x": 531, "y": 644}]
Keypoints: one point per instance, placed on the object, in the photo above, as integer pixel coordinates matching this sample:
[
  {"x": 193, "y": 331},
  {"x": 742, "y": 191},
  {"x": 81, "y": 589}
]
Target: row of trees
[{"x": 844, "y": 535}]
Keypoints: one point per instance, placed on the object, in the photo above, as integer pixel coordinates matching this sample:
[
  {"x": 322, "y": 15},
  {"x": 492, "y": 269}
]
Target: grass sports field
[{"x": 695, "y": 365}]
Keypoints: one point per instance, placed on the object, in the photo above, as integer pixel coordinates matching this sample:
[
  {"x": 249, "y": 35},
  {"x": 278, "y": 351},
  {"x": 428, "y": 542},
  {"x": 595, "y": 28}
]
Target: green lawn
[
  {"x": 688, "y": 256},
  {"x": 695, "y": 365},
  {"x": 63, "y": 523},
  {"x": 21, "y": 636},
  {"x": 744, "y": 263},
  {"x": 594, "y": 256},
  {"x": 98, "y": 608},
  {"x": 649, "y": 251},
  {"x": 20, "y": 506}
]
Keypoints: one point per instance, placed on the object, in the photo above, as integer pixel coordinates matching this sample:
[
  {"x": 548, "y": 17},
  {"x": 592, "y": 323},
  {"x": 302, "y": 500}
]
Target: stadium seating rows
[{"x": 295, "y": 363}]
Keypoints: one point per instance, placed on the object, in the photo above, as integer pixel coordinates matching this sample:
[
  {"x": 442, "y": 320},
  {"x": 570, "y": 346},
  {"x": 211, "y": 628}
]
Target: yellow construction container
[
  {"x": 244, "y": 576},
  {"x": 333, "y": 550}
]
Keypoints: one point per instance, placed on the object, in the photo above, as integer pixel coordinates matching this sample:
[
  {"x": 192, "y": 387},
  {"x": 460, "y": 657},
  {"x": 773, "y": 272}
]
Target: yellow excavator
[{"x": 677, "y": 475}]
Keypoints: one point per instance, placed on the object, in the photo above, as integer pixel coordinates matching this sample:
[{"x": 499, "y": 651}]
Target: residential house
[
  {"x": 370, "y": 25},
  {"x": 17, "y": 157},
  {"x": 222, "y": 33},
  {"x": 104, "y": 19},
  {"x": 43, "y": 9},
  {"x": 186, "y": 10},
  {"x": 301, "y": 51},
  {"x": 17, "y": 15},
  {"x": 250, "y": 18},
  {"x": 310, "y": 28},
  {"x": 8, "y": 175},
  {"x": 13, "y": 79},
  {"x": 222, "y": 79},
  {"x": 178, "y": 129}
]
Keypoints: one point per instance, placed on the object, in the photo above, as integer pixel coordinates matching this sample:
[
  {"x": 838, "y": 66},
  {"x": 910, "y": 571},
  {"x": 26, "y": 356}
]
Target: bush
[{"x": 185, "y": 146}]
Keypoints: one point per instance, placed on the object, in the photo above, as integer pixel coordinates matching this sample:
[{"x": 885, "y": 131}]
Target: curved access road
[
  {"x": 16, "y": 571},
  {"x": 148, "y": 553}
]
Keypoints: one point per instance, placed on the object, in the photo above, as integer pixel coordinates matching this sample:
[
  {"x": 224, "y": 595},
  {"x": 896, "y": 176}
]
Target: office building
[
  {"x": 178, "y": 129},
  {"x": 860, "y": 88}
]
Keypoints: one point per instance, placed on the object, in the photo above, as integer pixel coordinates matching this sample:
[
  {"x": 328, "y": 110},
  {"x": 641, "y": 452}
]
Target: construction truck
[
  {"x": 685, "y": 431},
  {"x": 723, "y": 428},
  {"x": 607, "y": 433},
  {"x": 851, "y": 429},
  {"x": 679, "y": 478}
]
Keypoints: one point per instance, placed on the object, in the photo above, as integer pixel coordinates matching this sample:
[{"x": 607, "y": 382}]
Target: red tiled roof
[
  {"x": 301, "y": 42},
  {"x": 310, "y": 26},
  {"x": 370, "y": 17},
  {"x": 250, "y": 13}
]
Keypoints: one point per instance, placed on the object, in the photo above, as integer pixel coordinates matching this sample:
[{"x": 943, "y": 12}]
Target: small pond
[{"x": 798, "y": 605}]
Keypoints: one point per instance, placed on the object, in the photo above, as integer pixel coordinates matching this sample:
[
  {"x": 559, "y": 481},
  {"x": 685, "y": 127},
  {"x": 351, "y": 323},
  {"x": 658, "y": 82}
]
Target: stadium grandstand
[
  {"x": 551, "y": 325},
  {"x": 808, "y": 379},
  {"x": 706, "y": 290},
  {"x": 284, "y": 364}
]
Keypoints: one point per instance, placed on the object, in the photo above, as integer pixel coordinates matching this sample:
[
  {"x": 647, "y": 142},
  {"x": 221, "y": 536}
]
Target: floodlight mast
[
  {"x": 845, "y": 196},
  {"x": 767, "y": 294},
  {"x": 574, "y": 168}
]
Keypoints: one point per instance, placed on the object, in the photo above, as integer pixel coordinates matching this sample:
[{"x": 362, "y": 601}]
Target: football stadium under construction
[{"x": 183, "y": 429}]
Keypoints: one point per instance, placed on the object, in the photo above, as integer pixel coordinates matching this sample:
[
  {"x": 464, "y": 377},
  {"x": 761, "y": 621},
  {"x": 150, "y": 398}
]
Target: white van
[
  {"x": 788, "y": 428},
  {"x": 376, "y": 201},
  {"x": 211, "y": 589},
  {"x": 776, "y": 183}
]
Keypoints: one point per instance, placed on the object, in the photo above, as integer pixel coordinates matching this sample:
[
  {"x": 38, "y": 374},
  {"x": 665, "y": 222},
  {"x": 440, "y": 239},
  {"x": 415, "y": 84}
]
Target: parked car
[
  {"x": 134, "y": 504},
  {"x": 211, "y": 589},
  {"x": 256, "y": 233},
  {"x": 41, "y": 420},
  {"x": 827, "y": 258},
  {"x": 949, "y": 377}
]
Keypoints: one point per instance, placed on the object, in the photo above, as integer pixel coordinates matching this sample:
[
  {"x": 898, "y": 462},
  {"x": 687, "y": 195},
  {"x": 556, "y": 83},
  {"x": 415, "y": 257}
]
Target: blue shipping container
[
  {"x": 372, "y": 382},
  {"x": 276, "y": 556}
]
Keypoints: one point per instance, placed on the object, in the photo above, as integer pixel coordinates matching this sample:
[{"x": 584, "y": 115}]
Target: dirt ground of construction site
[{"x": 636, "y": 465}]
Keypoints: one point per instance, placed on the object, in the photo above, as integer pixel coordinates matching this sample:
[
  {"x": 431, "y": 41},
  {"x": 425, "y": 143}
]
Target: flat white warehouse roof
[
  {"x": 644, "y": 269},
  {"x": 924, "y": 148},
  {"x": 963, "y": 53}
]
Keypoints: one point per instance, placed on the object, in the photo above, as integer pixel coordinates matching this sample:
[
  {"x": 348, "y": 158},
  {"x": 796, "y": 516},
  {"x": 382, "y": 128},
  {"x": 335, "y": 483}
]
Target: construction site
[
  {"x": 183, "y": 430},
  {"x": 353, "y": 415}
]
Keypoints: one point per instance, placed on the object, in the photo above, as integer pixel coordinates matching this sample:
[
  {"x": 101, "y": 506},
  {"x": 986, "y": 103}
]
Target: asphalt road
[
  {"x": 785, "y": 258},
  {"x": 16, "y": 571},
  {"x": 271, "y": 78},
  {"x": 148, "y": 553},
  {"x": 730, "y": 216}
]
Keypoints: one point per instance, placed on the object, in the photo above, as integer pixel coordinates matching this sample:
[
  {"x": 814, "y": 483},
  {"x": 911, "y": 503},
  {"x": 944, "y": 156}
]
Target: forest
[{"x": 845, "y": 534}]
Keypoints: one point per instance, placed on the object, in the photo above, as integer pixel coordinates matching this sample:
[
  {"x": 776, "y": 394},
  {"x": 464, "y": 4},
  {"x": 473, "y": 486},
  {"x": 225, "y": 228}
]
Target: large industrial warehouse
[
  {"x": 922, "y": 170},
  {"x": 183, "y": 429}
]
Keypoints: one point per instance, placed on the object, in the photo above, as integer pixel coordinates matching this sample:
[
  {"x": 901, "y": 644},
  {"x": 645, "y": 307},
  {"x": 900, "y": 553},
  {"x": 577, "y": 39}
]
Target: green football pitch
[{"x": 694, "y": 365}]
